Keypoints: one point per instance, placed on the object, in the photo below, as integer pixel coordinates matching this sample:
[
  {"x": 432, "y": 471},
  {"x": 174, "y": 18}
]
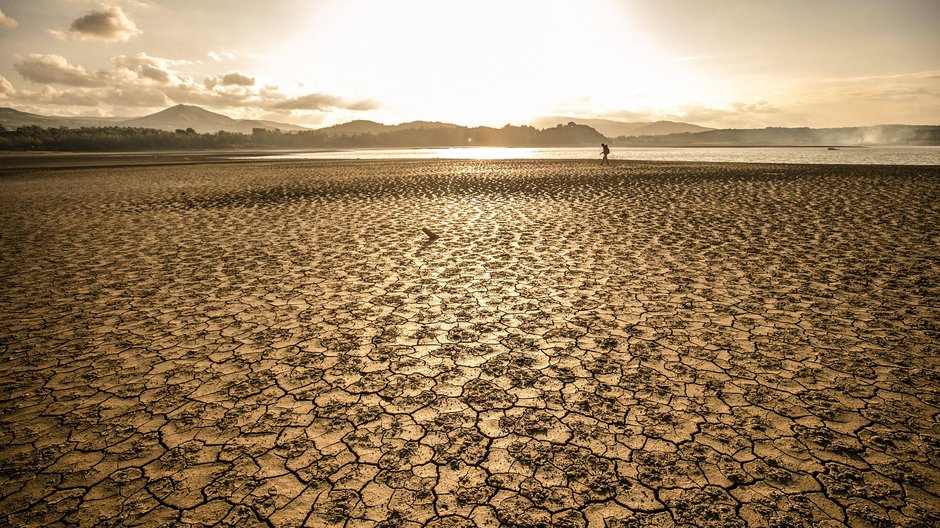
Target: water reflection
[
  {"x": 812, "y": 155},
  {"x": 486, "y": 153}
]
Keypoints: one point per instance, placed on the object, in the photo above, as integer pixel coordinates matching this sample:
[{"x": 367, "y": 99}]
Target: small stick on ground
[{"x": 431, "y": 234}]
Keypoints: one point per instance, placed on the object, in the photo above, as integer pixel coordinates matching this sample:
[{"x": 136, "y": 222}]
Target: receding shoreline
[
  {"x": 855, "y": 156},
  {"x": 278, "y": 343}
]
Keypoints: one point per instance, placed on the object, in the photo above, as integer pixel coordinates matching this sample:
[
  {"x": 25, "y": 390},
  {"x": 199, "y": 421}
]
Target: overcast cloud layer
[{"x": 723, "y": 63}]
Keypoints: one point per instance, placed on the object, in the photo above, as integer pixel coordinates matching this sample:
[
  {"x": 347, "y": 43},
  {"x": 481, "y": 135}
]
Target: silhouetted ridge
[
  {"x": 612, "y": 128},
  {"x": 660, "y": 128},
  {"x": 201, "y": 120},
  {"x": 362, "y": 126},
  {"x": 779, "y": 136},
  {"x": 12, "y": 118},
  {"x": 187, "y": 126}
]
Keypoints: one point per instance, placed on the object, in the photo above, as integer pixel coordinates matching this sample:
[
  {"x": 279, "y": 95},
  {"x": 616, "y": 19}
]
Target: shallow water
[{"x": 816, "y": 155}]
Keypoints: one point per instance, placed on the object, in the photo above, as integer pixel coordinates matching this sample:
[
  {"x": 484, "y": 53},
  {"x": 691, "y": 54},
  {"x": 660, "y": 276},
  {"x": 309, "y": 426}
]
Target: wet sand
[{"x": 647, "y": 344}]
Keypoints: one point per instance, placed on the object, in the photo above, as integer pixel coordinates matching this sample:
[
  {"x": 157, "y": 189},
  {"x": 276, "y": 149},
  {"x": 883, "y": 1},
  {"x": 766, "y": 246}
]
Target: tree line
[
  {"x": 114, "y": 139},
  {"x": 125, "y": 138},
  {"x": 873, "y": 135},
  {"x": 101, "y": 139}
]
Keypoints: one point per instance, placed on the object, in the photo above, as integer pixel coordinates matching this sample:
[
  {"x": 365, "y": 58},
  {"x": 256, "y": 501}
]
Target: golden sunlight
[
  {"x": 485, "y": 153},
  {"x": 484, "y": 64},
  {"x": 469, "y": 263}
]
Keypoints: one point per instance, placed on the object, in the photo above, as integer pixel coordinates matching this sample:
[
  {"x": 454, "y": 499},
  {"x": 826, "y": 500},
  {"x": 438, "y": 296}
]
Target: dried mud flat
[{"x": 649, "y": 344}]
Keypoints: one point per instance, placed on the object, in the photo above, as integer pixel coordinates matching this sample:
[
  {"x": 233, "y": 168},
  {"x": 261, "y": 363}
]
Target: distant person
[{"x": 605, "y": 150}]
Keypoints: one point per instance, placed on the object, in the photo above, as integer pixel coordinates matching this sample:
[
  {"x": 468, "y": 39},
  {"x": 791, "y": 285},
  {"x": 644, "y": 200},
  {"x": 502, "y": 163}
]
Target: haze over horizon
[{"x": 721, "y": 64}]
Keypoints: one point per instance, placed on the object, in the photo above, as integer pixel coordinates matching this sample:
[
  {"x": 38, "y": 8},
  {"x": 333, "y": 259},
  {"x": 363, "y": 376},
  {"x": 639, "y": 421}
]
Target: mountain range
[
  {"x": 362, "y": 126},
  {"x": 203, "y": 121},
  {"x": 12, "y": 119},
  {"x": 911, "y": 135},
  {"x": 173, "y": 118},
  {"x": 548, "y": 131},
  {"x": 613, "y": 129}
]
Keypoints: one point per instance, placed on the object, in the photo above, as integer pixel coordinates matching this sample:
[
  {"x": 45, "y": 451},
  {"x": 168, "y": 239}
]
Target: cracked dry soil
[{"x": 652, "y": 344}]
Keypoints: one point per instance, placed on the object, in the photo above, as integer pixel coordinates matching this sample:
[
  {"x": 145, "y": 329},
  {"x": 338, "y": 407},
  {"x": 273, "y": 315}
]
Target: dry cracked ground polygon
[{"x": 652, "y": 344}]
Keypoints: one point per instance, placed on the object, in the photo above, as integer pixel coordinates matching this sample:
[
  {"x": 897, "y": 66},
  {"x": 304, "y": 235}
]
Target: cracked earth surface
[{"x": 650, "y": 344}]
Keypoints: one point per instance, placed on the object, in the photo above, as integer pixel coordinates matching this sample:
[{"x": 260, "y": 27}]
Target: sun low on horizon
[
  {"x": 489, "y": 62},
  {"x": 721, "y": 64}
]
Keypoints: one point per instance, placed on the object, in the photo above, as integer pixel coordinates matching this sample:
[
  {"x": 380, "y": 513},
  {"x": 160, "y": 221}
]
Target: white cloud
[
  {"x": 753, "y": 114},
  {"x": 910, "y": 98},
  {"x": 907, "y": 98},
  {"x": 109, "y": 24},
  {"x": 6, "y": 22},
  {"x": 6, "y": 89},
  {"x": 321, "y": 102},
  {"x": 876, "y": 87},
  {"x": 219, "y": 56},
  {"x": 735, "y": 114},
  {"x": 68, "y": 97},
  {"x": 137, "y": 4},
  {"x": 127, "y": 96},
  {"x": 151, "y": 69},
  {"x": 229, "y": 79},
  {"x": 55, "y": 69},
  {"x": 137, "y": 96},
  {"x": 142, "y": 81}
]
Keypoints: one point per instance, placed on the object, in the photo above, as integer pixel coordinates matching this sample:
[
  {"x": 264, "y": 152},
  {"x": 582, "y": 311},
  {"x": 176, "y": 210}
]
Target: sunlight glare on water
[
  {"x": 486, "y": 153},
  {"x": 811, "y": 155}
]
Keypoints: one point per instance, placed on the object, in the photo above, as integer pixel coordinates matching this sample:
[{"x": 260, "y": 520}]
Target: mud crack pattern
[{"x": 650, "y": 344}]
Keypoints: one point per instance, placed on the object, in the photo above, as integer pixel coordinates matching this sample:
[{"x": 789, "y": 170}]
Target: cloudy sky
[{"x": 721, "y": 63}]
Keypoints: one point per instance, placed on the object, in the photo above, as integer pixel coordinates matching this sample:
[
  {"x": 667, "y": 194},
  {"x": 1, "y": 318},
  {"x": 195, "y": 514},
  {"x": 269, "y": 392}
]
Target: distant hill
[
  {"x": 175, "y": 117},
  {"x": 424, "y": 125},
  {"x": 362, "y": 133},
  {"x": 11, "y": 118},
  {"x": 185, "y": 116},
  {"x": 570, "y": 135},
  {"x": 435, "y": 134},
  {"x": 661, "y": 128},
  {"x": 202, "y": 121},
  {"x": 362, "y": 126},
  {"x": 777, "y": 136},
  {"x": 573, "y": 135},
  {"x": 272, "y": 125},
  {"x": 605, "y": 127},
  {"x": 612, "y": 129},
  {"x": 407, "y": 135}
]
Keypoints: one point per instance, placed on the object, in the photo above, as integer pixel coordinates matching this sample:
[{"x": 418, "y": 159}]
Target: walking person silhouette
[{"x": 605, "y": 151}]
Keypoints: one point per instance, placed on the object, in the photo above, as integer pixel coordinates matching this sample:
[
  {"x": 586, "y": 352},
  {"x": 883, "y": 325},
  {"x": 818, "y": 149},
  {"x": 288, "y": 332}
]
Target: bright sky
[{"x": 720, "y": 63}]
